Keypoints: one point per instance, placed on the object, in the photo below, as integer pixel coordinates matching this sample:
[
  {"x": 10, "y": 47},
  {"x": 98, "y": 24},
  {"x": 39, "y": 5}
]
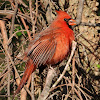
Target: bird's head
[{"x": 65, "y": 17}]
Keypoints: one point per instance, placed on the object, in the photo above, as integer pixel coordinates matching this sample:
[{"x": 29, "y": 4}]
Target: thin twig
[
  {"x": 78, "y": 93},
  {"x": 66, "y": 96},
  {"x": 53, "y": 94},
  {"x": 21, "y": 2},
  {"x": 32, "y": 86},
  {"x": 13, "y": 18},
  {"x": 14, "y": 35},
  {"x": 73, "y": 74},
  {"x": 4, "y": 85},
  {"x": 8, "y": 86},
  {"x": 32, "y": 17},
  {"x": 6, "y": 12},
  {"x": 3, "y": 73},
  {"x": 4, "y": 77},
  {"x": 85, "y": 94},
  {"x": 69, "y": 84}
]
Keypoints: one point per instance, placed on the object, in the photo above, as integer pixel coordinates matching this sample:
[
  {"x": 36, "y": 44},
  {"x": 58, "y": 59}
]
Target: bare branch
[
  {"x": 32, "y": 86},
  {"x": 90, "y": 24},
  {"x": 79, "y": 12},
  {"x": 45, "y": 92},
  {"x": 73, "y": 74},
  {"x": 23, "y": 91}
]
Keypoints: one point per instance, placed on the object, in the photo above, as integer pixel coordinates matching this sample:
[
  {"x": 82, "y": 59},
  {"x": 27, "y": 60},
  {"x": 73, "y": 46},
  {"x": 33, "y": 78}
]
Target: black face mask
[{"x": 67, "y": 20}]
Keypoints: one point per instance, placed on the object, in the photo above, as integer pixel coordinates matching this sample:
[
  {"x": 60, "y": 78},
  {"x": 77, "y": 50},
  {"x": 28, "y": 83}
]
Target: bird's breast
[{"x": 62, "y": 48}]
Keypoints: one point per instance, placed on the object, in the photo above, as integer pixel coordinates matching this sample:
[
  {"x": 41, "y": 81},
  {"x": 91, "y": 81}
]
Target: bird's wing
[
  {"x": 47, "y": 31},
  {"x": 43, "y": 46},
  {"x": 42, "y": 51}
]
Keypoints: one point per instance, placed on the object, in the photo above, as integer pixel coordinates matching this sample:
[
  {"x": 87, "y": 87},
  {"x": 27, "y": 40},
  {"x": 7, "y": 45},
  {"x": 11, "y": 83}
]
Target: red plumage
[{"x": 50, "y": 46}]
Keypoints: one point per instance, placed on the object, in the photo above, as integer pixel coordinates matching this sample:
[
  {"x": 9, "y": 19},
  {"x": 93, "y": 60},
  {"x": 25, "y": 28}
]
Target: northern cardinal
[{"x": 50, "y": 46}]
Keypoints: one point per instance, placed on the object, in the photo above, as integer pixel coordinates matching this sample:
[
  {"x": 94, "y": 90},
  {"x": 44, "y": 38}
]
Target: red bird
[{"x": 50, "y": 46}]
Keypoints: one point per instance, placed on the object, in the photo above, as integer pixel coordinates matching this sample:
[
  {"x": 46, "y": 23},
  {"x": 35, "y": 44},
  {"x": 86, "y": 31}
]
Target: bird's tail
[{"x": 30, "y": 67}]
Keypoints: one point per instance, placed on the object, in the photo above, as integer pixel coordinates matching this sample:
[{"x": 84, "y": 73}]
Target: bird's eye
[{"x": 65, "y": 19}]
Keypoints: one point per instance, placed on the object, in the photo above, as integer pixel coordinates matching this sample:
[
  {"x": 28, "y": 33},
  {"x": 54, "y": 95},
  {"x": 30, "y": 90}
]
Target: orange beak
[{"x": 72, "y": 22}]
